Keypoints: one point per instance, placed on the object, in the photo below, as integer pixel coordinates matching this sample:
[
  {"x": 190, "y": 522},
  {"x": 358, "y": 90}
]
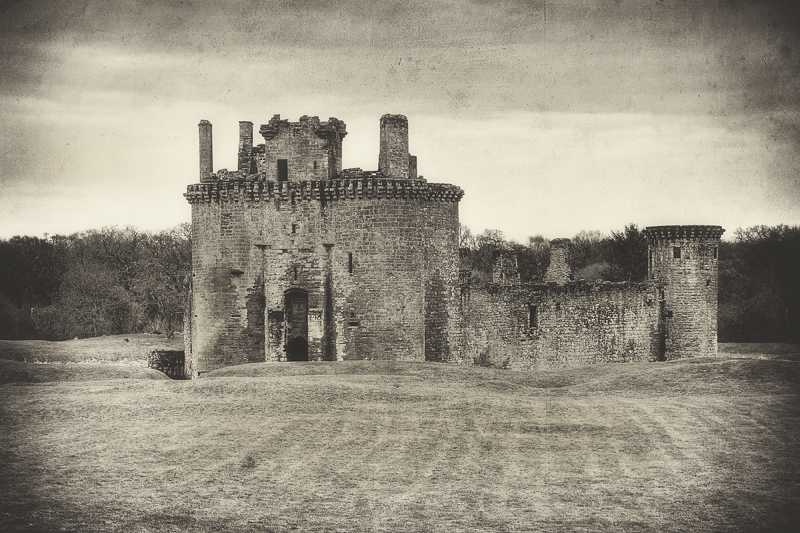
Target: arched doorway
[
  {"x": 296, "y": 306},
  {"x": 297, "y": 349}
]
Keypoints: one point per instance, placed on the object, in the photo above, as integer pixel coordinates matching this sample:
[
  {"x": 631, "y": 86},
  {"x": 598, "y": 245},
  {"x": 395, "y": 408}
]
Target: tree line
[
  {"x": 117, "y": 281},
  {"x": 97, "y": 282},
  {"x": 621, "y": 256}
]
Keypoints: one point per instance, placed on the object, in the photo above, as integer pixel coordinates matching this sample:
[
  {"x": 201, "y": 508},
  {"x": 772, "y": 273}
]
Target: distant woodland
[
  {"x": 116, "y": 281},
  {"x": 98, "y": 282}
]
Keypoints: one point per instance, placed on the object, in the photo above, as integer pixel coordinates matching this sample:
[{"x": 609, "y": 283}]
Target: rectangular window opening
[
  {"x": 295, "y": 273},
  {"x": 676, "y": 252},
  {"x": 283, "y": 169},
  {"x": 350, "y": 262},
  {"x": 315, "y": 165},
  {"x": 715, "y": 252},
  {"x": 533, "y": 316},
  {"x": 294, "y": 228}
]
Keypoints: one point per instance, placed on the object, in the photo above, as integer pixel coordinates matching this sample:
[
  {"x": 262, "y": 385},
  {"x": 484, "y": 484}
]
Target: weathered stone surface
[
  {"x": 546, "y": 325},
  {"x": 170, "y": 362},
  {"x": 295, "y": 259},
  {"x": 690, "y": 286},
  {"x": 375, "y": 259},
  {"x": 559, "y": 271}
]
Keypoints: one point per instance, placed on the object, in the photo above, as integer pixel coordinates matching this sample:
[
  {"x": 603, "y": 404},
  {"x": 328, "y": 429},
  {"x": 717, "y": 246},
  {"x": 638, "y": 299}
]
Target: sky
[{"x": 554, "y": 116}]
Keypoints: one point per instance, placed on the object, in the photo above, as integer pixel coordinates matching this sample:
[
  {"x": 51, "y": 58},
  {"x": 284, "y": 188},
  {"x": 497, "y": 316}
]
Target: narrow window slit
[
  {"x": 283, "y": 169},
  {"x": 533, "y": 316}
]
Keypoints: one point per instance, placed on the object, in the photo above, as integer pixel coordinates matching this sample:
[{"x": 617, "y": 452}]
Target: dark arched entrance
[
  {"x": 297, "y": 349},
  {"x": 296, "y": 325}
]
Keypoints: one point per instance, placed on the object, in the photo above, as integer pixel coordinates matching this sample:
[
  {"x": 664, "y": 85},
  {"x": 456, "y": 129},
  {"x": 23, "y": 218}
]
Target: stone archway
[
  {"x": 296, "y": 306},
  {"x": 297, "y": 349}
]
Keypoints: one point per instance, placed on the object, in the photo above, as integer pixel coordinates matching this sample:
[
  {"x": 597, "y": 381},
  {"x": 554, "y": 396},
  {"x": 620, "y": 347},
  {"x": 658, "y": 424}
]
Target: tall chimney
[
  {"x": 559, "y": 270},
  {"x": 245, "y": 146},
  {"x": 393, "y": 157},
  {"x": 206, "y": 152}
]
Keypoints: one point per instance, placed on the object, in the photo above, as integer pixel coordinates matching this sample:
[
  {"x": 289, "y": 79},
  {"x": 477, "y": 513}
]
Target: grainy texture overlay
[{"x": 295, "y": 259}]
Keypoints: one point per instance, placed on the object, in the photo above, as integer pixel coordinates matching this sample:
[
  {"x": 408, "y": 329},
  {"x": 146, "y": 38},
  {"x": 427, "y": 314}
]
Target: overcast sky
[{"x": 553, "y": 116}]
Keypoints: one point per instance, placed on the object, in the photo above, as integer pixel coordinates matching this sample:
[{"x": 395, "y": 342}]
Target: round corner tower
[{"x": 685, "y": 260}]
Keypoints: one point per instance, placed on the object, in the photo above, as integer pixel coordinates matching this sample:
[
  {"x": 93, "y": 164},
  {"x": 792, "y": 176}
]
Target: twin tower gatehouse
[{"x": 296, "y": 259}]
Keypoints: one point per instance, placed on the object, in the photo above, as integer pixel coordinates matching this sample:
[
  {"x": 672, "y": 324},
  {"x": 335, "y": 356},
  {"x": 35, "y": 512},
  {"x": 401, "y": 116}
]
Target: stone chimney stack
[
  {"x": 559, "y": 271},
  {"x": 206, "y": 152},
  {"x": 393, "y": 160},
  {"x": 246, "y": 147}
]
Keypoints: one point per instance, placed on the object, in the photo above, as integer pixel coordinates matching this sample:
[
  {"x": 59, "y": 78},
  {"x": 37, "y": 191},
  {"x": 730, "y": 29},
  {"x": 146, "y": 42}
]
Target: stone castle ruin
[{"x": 296, "y": 259}]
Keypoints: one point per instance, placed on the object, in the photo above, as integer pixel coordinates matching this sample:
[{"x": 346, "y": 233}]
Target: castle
[{"x": 295, "y": 259}]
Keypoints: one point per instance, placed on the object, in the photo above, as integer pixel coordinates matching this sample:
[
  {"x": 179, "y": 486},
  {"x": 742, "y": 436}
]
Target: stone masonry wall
[
  {"x": 559, "y": 269},
  {"x": 373, "y": 256},
  {"x": 442, "y": 312},
  {"x": 313, "y": 149},
  {"x": 222, "y": 274},
  {"x": 538, "y": 325},
  {"x": 690, "y": 286},
  {"x": 393, "y": 159}
]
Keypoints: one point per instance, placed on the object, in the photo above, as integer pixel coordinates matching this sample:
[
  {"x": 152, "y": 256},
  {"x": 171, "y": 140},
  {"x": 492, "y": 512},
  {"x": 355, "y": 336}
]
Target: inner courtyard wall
[{"x": 532, "y": 326}]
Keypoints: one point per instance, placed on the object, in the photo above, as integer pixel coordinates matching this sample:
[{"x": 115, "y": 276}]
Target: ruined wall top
[
  {"x": 559, "y": 270},
  {"x": 324, "y": 130},
  {"x": 394, "y": 161},
  {"x": 399, "y": 120}
]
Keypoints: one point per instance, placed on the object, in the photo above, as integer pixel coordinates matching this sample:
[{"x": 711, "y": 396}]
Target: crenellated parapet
[
  {"x": 233, "y": 187},
  {"x": 329, "y": 129},
  {"x": 655, "y": 233}
]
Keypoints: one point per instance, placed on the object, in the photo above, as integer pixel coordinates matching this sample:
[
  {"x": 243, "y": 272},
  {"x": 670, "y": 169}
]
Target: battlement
[
  {"x": 233, "y": 188},
  {"x": 324, "y": 130},
  {"x": 654, "y": 233}
]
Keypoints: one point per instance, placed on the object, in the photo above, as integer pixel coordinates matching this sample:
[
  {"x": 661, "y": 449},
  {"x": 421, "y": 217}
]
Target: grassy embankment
[{"x": 694, "y": 445}]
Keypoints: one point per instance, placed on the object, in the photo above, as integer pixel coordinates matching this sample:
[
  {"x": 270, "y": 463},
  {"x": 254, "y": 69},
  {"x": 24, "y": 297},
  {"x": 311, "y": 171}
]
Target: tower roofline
[{"x": 684, "y": 232}]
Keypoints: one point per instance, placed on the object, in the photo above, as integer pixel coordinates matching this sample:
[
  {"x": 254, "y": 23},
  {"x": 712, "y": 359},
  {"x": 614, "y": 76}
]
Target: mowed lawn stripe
[{"x": 407, "y": 447}]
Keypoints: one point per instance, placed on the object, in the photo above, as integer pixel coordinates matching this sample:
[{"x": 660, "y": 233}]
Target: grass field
[
  {"x": 694, "y": 445},
  {"x": 120, "y": 349}
]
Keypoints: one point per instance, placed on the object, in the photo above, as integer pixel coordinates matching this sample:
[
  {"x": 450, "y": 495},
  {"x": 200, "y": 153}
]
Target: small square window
[{"x": 676, "y": 252}]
